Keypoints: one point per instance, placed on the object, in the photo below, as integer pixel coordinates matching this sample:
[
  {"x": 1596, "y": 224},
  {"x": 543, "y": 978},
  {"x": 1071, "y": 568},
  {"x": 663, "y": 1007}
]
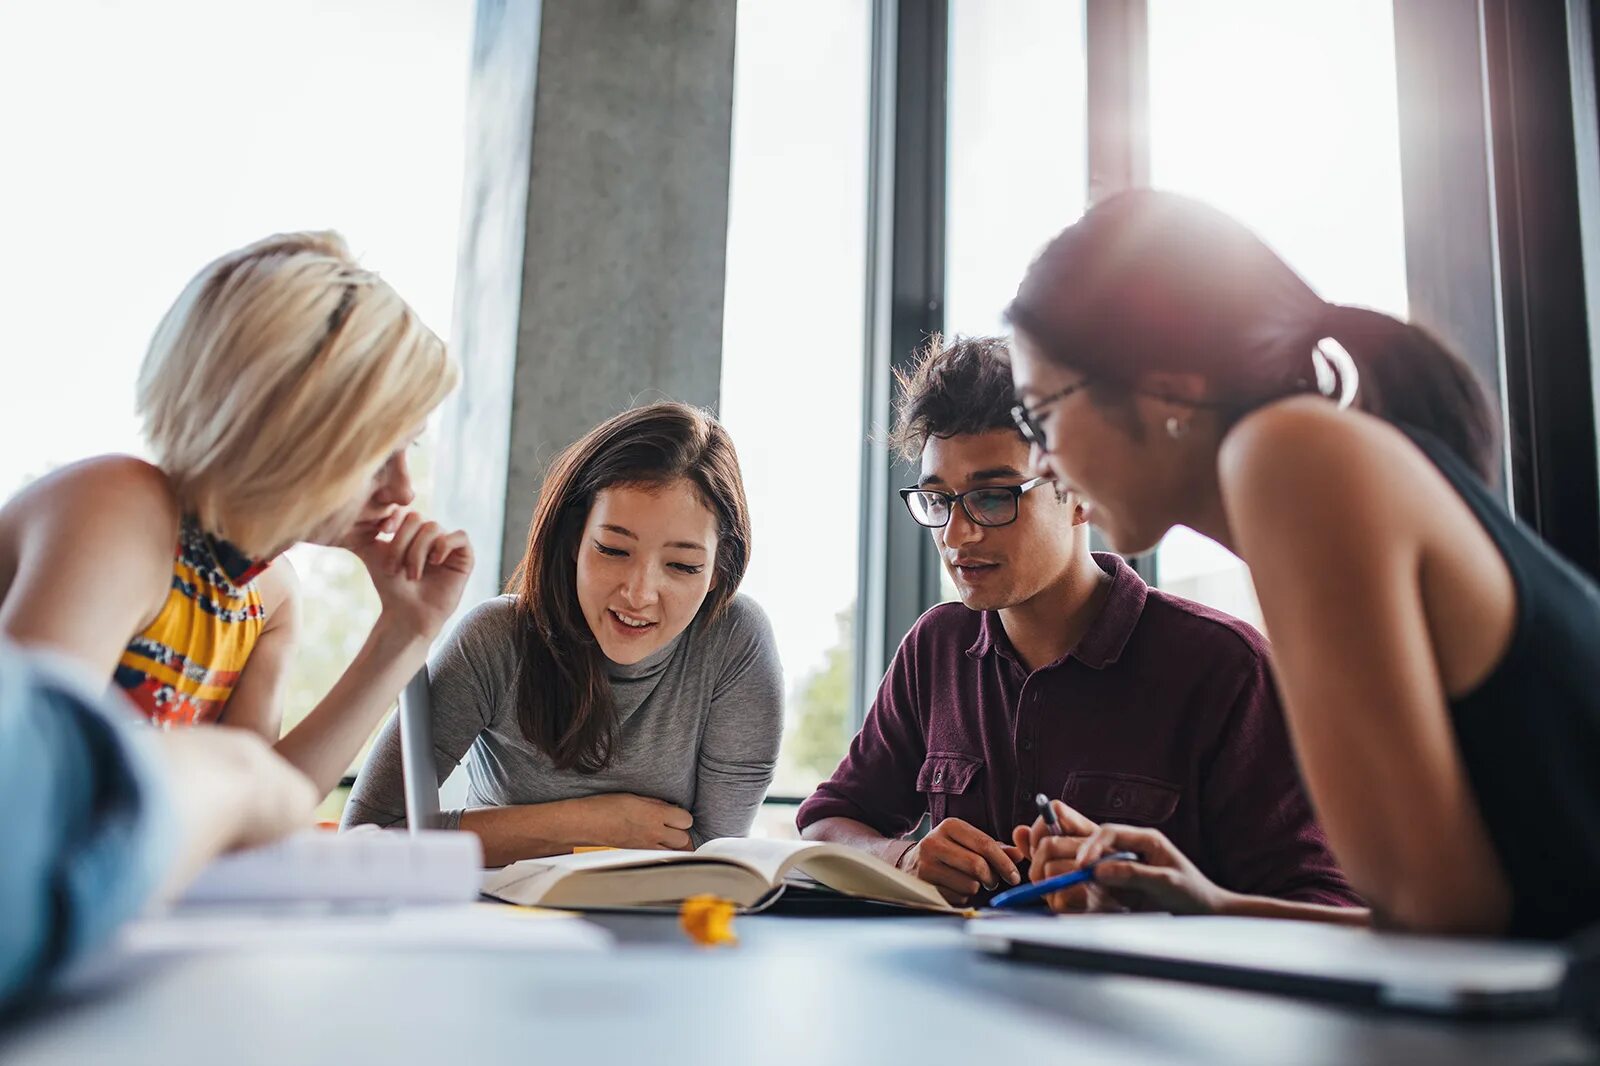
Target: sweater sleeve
[
  {"x": 739, "y": 748},
  {"x": 90, "y": 830},
  {"x": 467, "y": 676}
]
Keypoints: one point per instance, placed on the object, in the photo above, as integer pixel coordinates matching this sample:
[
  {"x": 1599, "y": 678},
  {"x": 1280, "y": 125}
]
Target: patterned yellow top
[{"x": 184, "y": 666}]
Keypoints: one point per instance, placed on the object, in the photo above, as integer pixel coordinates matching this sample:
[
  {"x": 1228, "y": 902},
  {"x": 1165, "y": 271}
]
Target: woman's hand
[
  {"x": 1074, "y": 830},
  {"x": 628, "y": 821},
  {"x": 419, "y": 572},
  {"x": 1162, "y": 880}
]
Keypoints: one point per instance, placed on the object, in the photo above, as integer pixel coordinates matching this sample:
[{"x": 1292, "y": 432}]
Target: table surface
[{"x": 817, "y": 991}]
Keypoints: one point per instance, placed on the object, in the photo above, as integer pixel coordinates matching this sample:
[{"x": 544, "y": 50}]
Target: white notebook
[
  {"x": 470, "y": 926},
  {"x": 317, "y": 866}
]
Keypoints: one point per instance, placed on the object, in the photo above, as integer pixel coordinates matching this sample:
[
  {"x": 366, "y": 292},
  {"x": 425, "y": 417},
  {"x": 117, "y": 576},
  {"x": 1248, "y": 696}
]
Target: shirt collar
[{"x": 1107, "y": 635}]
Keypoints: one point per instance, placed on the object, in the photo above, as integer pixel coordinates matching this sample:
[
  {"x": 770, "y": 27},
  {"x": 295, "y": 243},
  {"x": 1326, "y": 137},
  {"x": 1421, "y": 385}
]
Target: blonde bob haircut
[{"x": 278, "y": 384}]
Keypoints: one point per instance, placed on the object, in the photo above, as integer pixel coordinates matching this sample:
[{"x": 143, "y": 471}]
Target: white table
[{"x": 813, "y": 991}]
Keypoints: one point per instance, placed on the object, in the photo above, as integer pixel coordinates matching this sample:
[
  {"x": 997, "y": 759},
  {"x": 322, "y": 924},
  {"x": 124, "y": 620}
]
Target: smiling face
[
  {"x": 996, "y": 567},
  {"x": 645, "y": 565}
]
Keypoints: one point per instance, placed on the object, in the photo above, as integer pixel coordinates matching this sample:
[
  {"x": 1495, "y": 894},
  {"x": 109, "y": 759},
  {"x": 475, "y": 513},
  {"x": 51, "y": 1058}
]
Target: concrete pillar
[{"x": 593, "y": 241}]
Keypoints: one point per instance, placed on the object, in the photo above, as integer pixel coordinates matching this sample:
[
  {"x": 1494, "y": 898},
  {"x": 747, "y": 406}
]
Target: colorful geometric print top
[{"x": 184, "y": 666}]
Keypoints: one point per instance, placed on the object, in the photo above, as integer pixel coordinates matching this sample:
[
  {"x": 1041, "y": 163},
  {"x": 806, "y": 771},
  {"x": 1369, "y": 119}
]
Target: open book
[{"x": 749, "y": 872}]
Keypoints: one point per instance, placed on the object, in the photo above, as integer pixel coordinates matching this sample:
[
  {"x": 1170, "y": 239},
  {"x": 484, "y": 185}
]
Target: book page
[
  {"x": 769, "y": 858},
  {"x": 846, "y": 870}
]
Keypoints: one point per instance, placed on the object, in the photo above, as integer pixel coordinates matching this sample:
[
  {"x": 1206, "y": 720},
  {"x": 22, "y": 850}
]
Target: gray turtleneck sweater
[{"x": 700, "y": 722}]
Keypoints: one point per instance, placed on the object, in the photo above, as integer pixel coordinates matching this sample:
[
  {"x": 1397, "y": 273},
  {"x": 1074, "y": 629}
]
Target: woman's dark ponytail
[
  {"x": 1150, "y": 281},
  {"x": 1408, "y": 376}
]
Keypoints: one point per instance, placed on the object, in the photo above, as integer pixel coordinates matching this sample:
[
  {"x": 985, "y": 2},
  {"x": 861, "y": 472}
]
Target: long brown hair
[
  {"x": 564, "y": 702},
  {"x": 1154, "y": 281}
]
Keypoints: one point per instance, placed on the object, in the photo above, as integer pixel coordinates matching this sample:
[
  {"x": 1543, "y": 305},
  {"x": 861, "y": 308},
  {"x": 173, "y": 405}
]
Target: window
[
  {"x": 793, "y": 337},
  {"x": 1017, "y": 170},
  {"x": 1284, "y": 115},
  {"x": 160, "y": 135}
]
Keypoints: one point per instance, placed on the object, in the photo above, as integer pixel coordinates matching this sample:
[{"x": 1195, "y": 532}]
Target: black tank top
[{"x": 1529, "y": 735}]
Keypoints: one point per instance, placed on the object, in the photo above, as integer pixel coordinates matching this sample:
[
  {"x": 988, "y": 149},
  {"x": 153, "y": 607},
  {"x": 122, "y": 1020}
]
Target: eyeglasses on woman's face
[
  {"x": 1027, "y": 419},
  {"x": 992, "y": 505}
]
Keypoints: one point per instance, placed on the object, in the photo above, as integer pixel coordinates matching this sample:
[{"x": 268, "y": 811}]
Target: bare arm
[
  {"x": 419, "y": 576},
  {"x": 1330, "y": 511},
  {"x": 93, "y": 545},
  {"x": 257, "y": 700},
  {"x": 854, "y": 834},
  {"x": 615, "y": 820},
  {"x": 1162, "y": 878}
]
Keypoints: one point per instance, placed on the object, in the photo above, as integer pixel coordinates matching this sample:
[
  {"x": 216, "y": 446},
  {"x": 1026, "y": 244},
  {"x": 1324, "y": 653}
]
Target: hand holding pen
[
  {"x": 1066, "y": 831},
  {"x": 1150, "y": 874}
]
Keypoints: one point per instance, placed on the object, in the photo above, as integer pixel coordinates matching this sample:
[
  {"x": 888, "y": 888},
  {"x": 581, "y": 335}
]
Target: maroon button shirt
[{"x": 1164, "y": 715}]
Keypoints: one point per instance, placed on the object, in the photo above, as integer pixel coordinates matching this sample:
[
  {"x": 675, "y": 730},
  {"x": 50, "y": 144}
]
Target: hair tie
[{"x": 1334, "y": 370}]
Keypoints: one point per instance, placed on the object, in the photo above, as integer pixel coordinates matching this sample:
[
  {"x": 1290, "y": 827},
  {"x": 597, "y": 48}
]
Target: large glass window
[
  {"x": 144, "y": 139},
  {"x": 1017, "y": 168},
  {"x": 793, "y": 340},
  {"x": 1283, "y": 113}
]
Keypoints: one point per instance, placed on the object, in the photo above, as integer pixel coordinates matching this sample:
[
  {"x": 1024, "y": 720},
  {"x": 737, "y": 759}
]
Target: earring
[{"x": 1175, "y": 428}]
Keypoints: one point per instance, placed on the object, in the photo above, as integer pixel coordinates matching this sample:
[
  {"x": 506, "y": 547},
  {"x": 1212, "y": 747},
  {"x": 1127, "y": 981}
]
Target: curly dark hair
[{"x": 960, "y": 385}]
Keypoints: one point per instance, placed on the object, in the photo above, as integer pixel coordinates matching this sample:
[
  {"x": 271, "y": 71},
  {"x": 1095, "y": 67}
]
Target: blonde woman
[{"x": 279, "y": 397}]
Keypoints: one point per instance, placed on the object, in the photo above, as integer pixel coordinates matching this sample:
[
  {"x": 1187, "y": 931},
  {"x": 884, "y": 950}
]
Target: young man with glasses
[{"x": 1060, "y": 673}]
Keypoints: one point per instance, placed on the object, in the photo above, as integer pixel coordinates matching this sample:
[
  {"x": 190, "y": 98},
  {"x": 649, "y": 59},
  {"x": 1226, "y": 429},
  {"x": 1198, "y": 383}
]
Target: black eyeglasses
[
  {"x": 1028, "y": 421},
  {"x": 989, "y": 506}
]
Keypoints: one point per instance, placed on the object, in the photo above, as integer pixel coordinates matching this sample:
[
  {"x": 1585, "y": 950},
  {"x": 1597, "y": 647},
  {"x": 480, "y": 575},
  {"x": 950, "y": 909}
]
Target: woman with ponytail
[{"x": 1434, "y": 658}]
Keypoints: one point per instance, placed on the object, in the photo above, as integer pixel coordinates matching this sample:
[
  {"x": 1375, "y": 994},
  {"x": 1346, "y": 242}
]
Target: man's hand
[{"x": 958, "y": 859}]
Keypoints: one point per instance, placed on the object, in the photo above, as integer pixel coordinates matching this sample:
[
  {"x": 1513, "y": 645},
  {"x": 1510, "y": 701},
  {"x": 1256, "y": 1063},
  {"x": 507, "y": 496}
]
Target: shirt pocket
[
  {"x": 1127, "y": 799},
  {"x": 948, "y": 780}
]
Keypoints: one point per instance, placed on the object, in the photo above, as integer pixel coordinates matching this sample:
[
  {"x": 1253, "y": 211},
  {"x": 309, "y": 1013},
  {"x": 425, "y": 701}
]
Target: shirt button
[
  {"x": 1027, "y": 745},
  {"x": 1117, "y": 801}
]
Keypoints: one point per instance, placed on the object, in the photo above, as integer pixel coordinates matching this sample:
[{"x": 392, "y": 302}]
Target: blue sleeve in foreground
[{"x": 88, "y": 829}]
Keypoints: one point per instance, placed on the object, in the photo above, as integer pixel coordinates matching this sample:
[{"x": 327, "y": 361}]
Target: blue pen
[{"x": 1016, "y": 897}]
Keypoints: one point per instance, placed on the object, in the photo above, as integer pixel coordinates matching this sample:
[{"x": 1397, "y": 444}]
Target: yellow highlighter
[{"x": 584, "y": 849}]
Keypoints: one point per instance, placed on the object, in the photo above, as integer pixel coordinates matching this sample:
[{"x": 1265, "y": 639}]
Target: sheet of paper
[
  {"x": 391, "y": 866},
  {"x": 477, "y": 926}
]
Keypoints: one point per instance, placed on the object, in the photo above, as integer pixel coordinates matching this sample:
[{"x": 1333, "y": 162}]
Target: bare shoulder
[
  {"x": 1293, "y": 439},
  {"x": 107, "y": 499},
  {"x": 1331, "y": 473},
  {"x": 279, "y": 585}
]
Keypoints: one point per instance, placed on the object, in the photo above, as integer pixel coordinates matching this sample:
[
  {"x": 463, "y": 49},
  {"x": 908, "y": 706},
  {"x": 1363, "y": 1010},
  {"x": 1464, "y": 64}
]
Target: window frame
[{"x": 1494, "y": 264}]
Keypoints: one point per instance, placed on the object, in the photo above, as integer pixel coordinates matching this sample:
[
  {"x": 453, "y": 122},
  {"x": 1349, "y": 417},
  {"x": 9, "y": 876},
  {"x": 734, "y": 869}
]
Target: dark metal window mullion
[
  {"x": 899, "y": 577},
  {"x": 1539, "y": 193},
  {"x": 1117, "y": 54}
]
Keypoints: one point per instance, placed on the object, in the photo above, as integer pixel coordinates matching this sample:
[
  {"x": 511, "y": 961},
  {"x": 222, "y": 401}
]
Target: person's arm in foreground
[
  {"x": 105, "y": 814},
  {"x": 1328, "y": 510}
]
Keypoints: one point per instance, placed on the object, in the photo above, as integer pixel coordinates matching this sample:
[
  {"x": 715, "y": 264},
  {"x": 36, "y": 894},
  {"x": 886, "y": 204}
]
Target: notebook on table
[
  {"x": 750, "y": 873},
  {"x": 367, "y": 867},
  {"x": 1436, "y": 975}
]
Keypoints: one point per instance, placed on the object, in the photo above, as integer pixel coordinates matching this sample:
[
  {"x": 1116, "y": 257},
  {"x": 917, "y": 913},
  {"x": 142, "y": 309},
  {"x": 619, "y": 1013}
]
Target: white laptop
[
  {"x": 416, "y": 754},
  {"x": 1440, "y": 975}
]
